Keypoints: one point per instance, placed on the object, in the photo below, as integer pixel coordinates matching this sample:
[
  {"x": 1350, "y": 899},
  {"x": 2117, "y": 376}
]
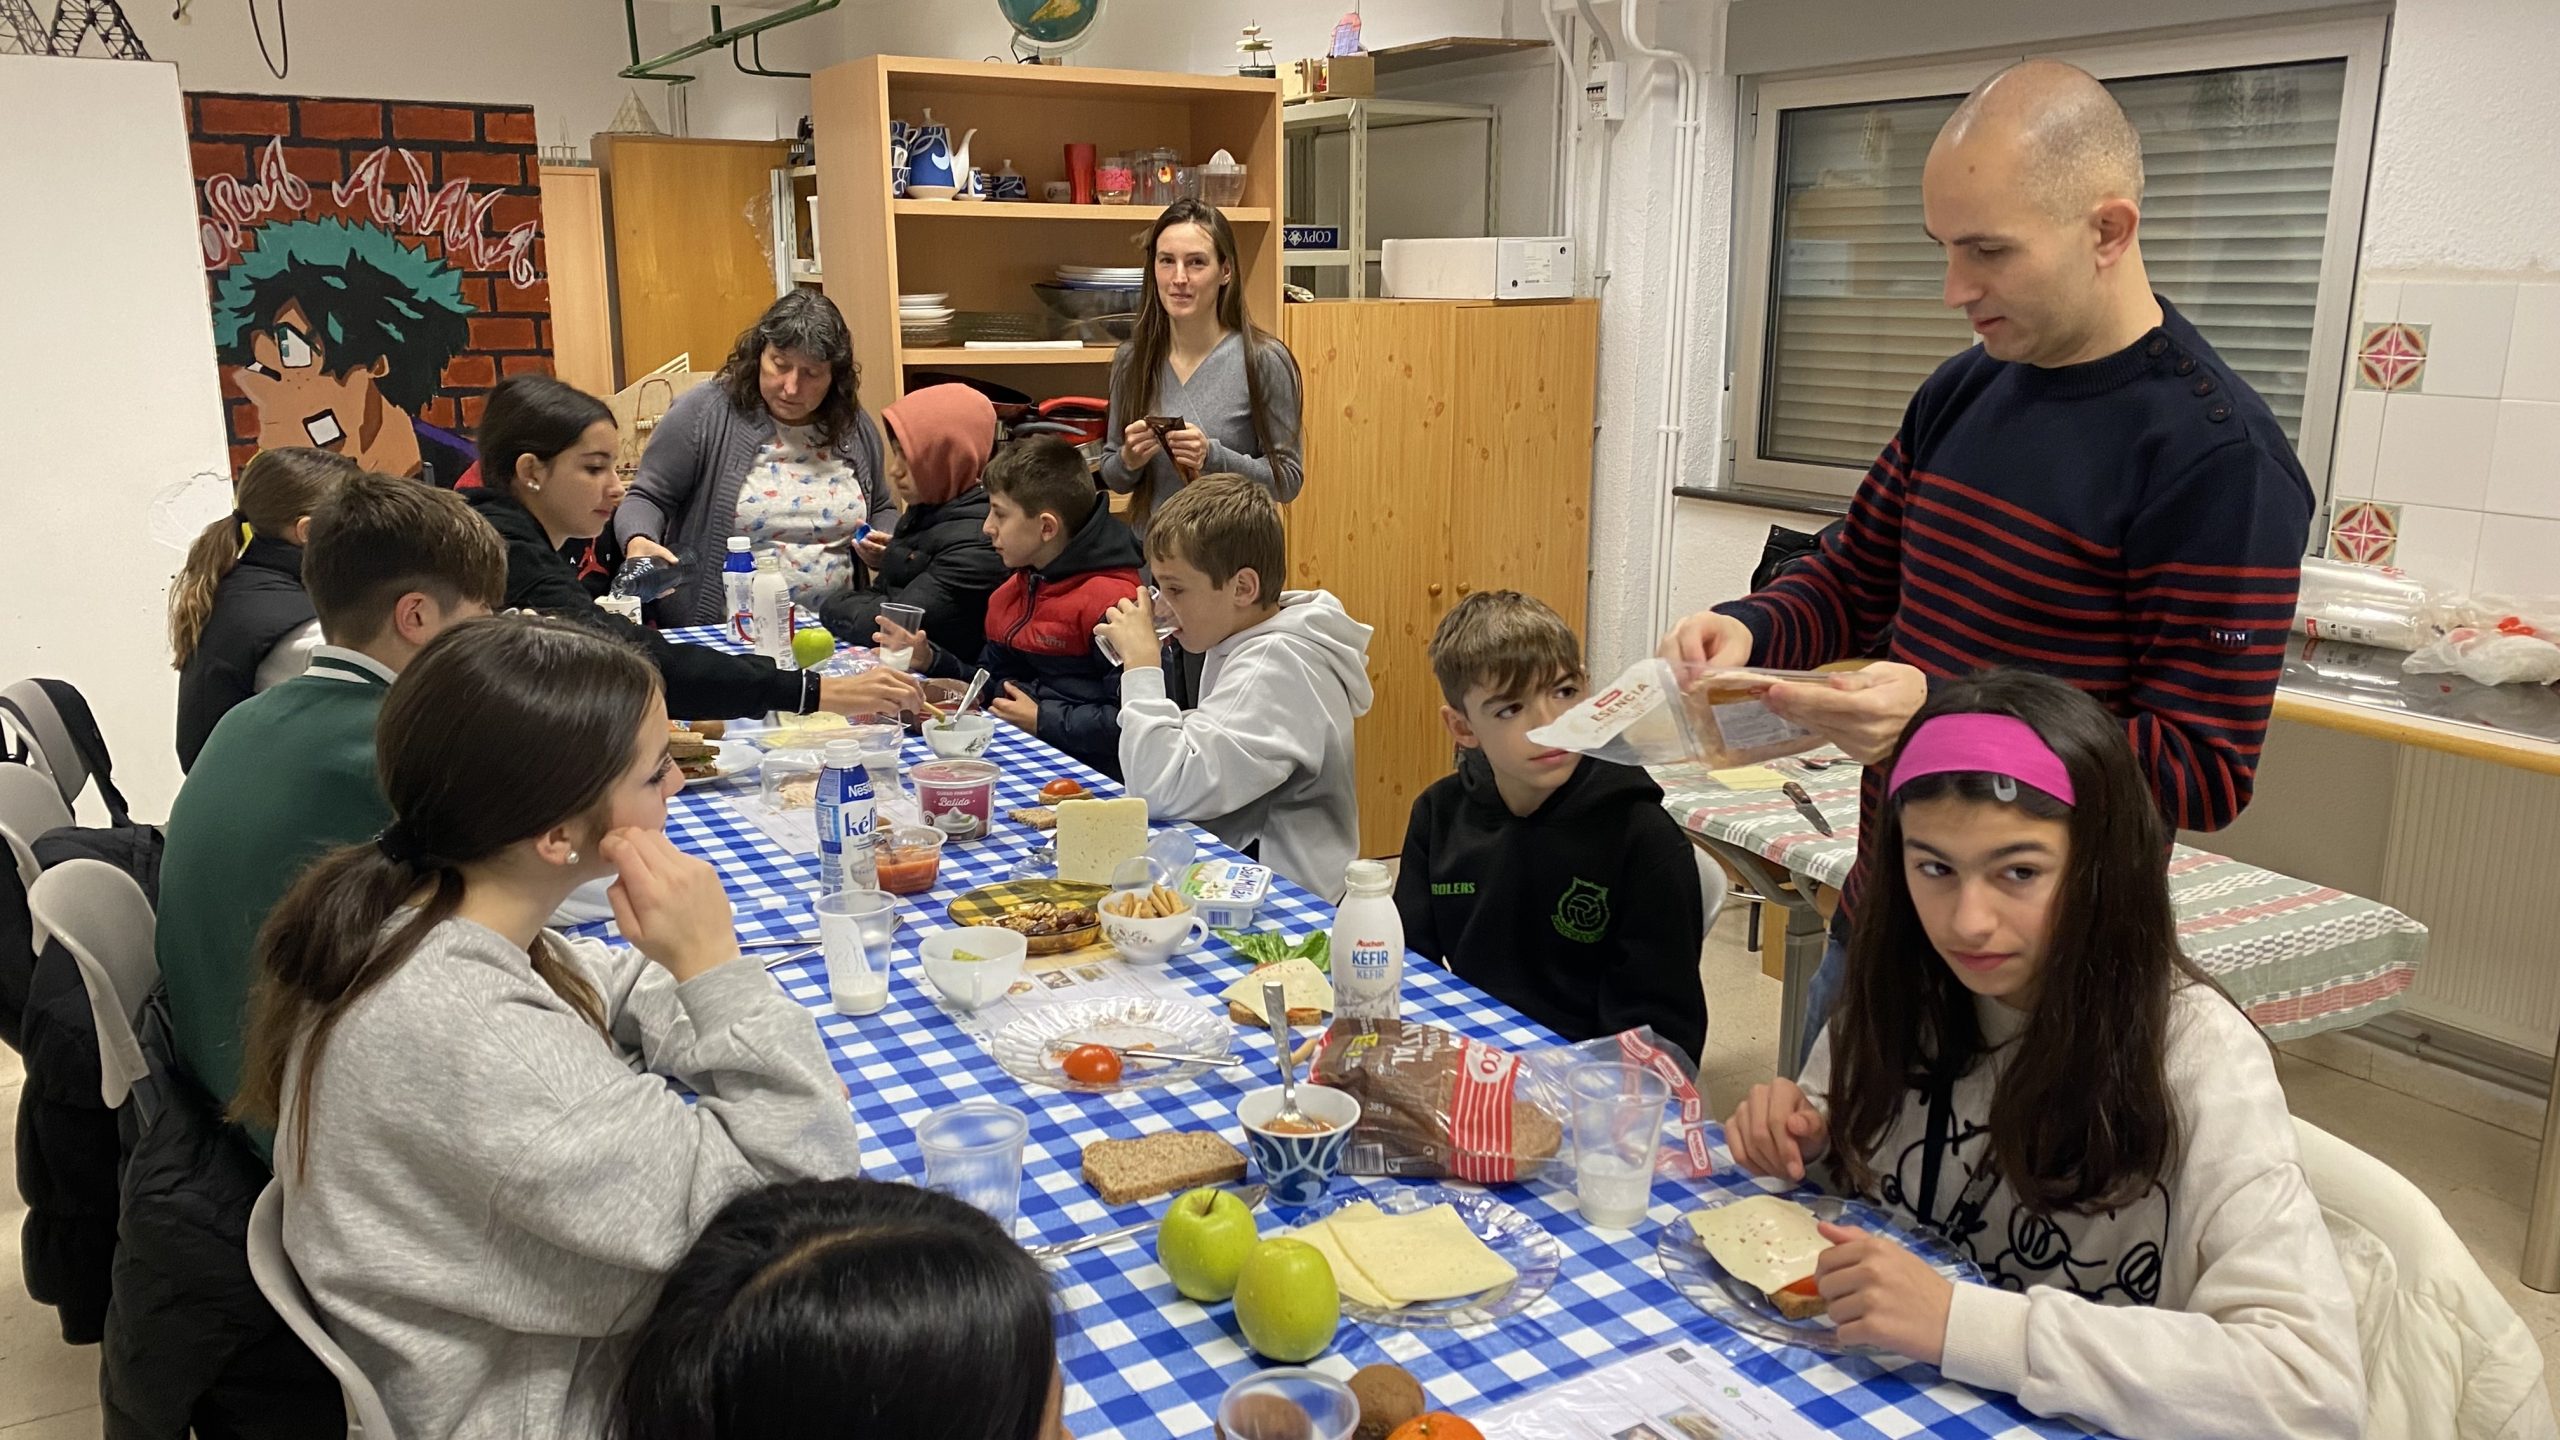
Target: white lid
[
  {"x": 1223, "y": 161},
  {"x": 1367, "y": 877},
  {"x": 768, "y": 561},
  {"x": 738, "y": 544},
  {"x": 843, "y": 754}
]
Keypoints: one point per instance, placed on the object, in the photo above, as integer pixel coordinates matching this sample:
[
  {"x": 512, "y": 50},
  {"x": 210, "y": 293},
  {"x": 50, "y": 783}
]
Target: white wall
[
  {"x": 107, "y": 390},
  {"x": 2466, "y": 154},
  {"x": 557, "y": 55},
  {"x": 1193, "y": 35}
]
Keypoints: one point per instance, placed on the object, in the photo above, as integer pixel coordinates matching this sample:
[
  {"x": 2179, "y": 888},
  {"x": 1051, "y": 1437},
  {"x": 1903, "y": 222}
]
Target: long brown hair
[
  {"x": 2081, "y": 1119},
  {"x": 810, "y": 323},
  {"x": 1142, "y": 356},
  {"x": 498, "y": 731},
  {"x": 277, "y": 489}
]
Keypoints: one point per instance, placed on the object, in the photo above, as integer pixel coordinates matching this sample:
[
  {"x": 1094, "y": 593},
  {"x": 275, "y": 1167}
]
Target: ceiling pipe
[{"x": 719, "y": 37}]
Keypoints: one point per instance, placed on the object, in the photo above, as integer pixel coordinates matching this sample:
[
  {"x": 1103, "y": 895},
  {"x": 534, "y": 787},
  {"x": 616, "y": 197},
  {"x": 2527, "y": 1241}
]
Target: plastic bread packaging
[
  {"x": 1434, "y": 1103},
  {"x": 2365, "y": 605},
  {"x": 1658, "y": 713},
  {"x": 2495, "y": 640}
]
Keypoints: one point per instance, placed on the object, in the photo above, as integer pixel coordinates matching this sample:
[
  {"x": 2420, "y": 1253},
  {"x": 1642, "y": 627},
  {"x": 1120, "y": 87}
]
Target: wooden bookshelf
[{"x": 986, "y": 255}]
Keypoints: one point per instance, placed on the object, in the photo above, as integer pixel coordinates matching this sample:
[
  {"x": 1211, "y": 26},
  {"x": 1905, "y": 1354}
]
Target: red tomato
[
  {"x": 1092, "y": 1065},
  {"x": 1061, "y": 790},
  {"x": 1809, "y": 1285}
]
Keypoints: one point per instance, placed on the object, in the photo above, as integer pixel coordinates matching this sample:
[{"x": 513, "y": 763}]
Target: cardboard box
[
  {"x": 1491, "y": 267},
  {"x": 1338, "y": 77}
]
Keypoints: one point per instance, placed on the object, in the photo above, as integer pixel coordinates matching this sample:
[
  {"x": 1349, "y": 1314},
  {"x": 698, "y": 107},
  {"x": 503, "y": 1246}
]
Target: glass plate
[
  {"x": 1515, "y": 1237},
  {"x": 1031, "y": 1048},
  {"x": 729, "y": 760},
  {"x": 1740, "y": 1304}
]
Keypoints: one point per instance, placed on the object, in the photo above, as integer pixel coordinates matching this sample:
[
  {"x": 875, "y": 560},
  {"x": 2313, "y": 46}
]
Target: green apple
[
  {"x": 1286, "y": 1302},
  {"x": 1202, "y": 1242},
  {"x": 811, "y": 647}
]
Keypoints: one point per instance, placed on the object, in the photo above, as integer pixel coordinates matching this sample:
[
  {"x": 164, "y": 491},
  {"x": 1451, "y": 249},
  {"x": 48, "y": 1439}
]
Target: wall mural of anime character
[{"x": 341, "y": 335}]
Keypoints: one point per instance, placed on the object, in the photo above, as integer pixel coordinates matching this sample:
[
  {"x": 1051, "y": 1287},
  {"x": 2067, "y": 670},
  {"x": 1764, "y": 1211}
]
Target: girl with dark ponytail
[{"x": 483, "y": 1181}]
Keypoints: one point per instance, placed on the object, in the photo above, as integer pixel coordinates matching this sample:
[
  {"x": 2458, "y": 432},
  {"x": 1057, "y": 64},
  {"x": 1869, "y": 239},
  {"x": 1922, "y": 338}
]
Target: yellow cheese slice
[
  {"x": 1428, "y": 1255},
  {"x": 1767, "y": 1241},
  {"x": 1094, "y": 836},
  {"x": 1347, "y": 1276},
  {"x": 1302, "y": 984}
]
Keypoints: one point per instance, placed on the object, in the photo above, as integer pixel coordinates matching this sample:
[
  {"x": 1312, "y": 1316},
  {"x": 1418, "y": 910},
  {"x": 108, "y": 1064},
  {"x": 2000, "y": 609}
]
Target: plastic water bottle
[
  {"x": 771, "y": 605},
  {"x": 1368, "y": 947},
  {"x": 847, "y": 817},
  {"x": 737, "y": 580}
]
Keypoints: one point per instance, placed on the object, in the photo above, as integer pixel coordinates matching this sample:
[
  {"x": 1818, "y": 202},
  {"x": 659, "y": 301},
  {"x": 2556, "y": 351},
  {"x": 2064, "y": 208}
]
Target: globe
[{"x": 1050, "y": 25}]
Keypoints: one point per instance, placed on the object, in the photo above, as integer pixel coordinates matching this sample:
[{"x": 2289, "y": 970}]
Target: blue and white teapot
[{"x": 932, "y": 160}]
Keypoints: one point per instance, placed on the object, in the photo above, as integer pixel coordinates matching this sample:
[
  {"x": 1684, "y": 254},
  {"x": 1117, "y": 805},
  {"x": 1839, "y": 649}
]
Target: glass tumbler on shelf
[
  {"x": 1160, "y": 182},
  {"x": 1115, "y": 181}
]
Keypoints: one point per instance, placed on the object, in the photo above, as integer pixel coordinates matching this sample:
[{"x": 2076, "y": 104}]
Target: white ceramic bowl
[
  {"x": 970, "y": 984},
  {"x": 962, "y": 737},
  {"x": 1150, "y": 940}
]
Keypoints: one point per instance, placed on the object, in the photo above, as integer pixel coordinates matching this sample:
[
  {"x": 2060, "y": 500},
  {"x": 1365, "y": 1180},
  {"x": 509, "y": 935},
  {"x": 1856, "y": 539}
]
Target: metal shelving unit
[{"x": 1301, "y": 123}]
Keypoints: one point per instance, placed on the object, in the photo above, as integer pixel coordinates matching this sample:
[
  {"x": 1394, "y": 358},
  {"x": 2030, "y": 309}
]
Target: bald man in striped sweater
[{"x": 2089, "y": 491}]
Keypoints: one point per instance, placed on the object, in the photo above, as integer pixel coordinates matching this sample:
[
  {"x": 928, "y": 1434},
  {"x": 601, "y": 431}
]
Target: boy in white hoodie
[{"x": 1265, "y": 762}]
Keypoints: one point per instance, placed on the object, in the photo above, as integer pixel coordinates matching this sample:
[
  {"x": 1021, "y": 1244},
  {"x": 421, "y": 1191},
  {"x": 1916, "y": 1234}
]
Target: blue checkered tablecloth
[{"x": 1141, "y": 1362}]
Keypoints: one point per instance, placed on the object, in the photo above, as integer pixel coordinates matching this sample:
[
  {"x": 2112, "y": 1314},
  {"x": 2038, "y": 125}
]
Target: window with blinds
[{"x": 2238, "y": 166}]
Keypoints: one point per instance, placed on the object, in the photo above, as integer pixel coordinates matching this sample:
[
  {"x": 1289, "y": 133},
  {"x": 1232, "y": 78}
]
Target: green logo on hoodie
[{"x": 1583, "y": 914}]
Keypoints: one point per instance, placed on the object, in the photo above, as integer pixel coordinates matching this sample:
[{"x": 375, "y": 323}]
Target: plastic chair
[
  {"x": 102, "y": 917},
  {"x": 35, "y": 727},
  {"x": 277, "y": 1280},
  {"x": 2445, "y": 1356},
  {"x": 29, "y": 806}
]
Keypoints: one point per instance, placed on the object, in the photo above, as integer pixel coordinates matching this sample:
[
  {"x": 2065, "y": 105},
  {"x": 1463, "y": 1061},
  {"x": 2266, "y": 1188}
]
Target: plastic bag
[
  {"x": 1435, "y": 1103},
  {"x": 2508, "y": 651},
  {"x": 2364, "y": 604},
  {"x": 1655, "y": 714}
]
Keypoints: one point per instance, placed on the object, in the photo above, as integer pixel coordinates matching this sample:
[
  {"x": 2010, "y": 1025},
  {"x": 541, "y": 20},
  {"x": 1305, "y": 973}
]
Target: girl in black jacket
[
  {"x": 940, "y": 561},
  {"x": 547, "y": 473}
]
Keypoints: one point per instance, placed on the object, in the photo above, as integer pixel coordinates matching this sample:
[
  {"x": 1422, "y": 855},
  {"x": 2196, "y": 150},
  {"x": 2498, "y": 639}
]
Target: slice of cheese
[
  {"x": 1303, "y": 986},
  {"x": 1094, "y": 836},
  {"x": 1428, "y": 1255},
  {"x": 1347, "y": 1277},
  {"x": 1765, "y": 1241}
]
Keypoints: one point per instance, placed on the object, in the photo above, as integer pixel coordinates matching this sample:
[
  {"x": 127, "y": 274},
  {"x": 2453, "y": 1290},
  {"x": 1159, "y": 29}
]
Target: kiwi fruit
[{"x": 1388, "y": 1396}]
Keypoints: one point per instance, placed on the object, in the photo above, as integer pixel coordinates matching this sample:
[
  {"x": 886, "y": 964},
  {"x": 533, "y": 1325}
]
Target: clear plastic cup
[
  {"x": 1289, "y": 1400},
  {"x": 906, "y": 617},
  {"x": 1165, "y": 626},
  {"x": 973, "y": 1152},
  {"x": 876, "y": 912},
  {"x": 1617, "y": 1126},
  {"x": 910, "y": 859},
  {"x": 859, "y": 985}
]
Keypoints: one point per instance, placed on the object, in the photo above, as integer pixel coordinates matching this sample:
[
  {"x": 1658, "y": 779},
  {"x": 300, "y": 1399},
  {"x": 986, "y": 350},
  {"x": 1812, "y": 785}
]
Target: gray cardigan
[
  {"x": 1214, "y": 400},
  {"x": 687, "y": 495}
]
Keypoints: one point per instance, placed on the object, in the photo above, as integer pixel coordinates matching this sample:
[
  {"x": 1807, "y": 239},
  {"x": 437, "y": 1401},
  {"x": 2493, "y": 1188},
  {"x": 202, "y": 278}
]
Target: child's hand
[
  {"x": 1861, "y": 711},
  {"x": 1137, "y": 444},
  {"x": 1883, "y": 1295},
  {"x": 670, "y": 904},
  {"x": 1132, "y": 628},
  {"x": 1016, "y": 709},
  {"x": 888, "y": 634},
  {"x": 870, "y": 548},
  {"x": 1776, "y": 1131},
  {"x": 1189, "y": 448}
]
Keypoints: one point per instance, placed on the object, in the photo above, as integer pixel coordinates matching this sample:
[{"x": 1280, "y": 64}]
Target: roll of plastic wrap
[{"x": 2363, "y": 604}]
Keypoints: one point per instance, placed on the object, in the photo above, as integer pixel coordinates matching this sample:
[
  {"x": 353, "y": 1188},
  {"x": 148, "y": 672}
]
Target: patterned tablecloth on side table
[
  {"x": 2299, "y": 957},
  {"x": 1141, "y": 1362}
]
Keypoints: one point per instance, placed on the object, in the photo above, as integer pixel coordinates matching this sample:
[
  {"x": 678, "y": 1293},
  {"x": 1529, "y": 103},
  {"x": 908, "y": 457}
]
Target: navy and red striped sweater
[{"x": 2133, "y": 525}]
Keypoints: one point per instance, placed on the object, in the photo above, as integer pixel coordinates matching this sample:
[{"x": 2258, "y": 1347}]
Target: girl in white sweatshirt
[
  {"x": 2024, "y": 1062},
  {"x": 485, "y": 1171}
]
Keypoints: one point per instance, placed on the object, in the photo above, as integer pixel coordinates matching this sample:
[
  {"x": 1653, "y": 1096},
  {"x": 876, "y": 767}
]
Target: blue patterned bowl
[{"x": 1299, "y": 1168}]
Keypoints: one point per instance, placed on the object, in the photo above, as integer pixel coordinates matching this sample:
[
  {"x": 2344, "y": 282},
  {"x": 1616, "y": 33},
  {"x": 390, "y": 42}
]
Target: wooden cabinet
[
  {"x": 1448, "y": 450},
  {"x": 691, "y": 244},
  {"x": 987, "y": 255},
  {"x": 581, "y": 290}
]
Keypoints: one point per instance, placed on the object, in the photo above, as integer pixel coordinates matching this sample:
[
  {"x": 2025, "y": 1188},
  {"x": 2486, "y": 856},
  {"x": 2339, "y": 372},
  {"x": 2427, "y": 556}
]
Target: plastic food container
[
  {"x": 1228, "y": 893},
  {"x": 1115, "y": 181},
  {"x": 790, "y": 780},
  {"x": 958, "y": 796},
  {"x": 910, "y": 859},
  {"x": 1222, "y": 185}
]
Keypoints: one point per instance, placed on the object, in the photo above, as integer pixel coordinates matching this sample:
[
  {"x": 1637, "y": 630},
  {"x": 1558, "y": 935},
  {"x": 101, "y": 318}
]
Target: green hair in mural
[{"x": 367, "y": 300}]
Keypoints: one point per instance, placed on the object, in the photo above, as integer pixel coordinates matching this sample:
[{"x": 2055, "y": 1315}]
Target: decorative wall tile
[
  {"x": 2438, "y": 545},
  {"x": 2366, "y": 532},
  {"x": 2359, "y": 448},
  {"x": 2391, "y": 357},
  {"x": 2435, "y": 450},
  {"x": 2468, "y": 326},
  {"x": 2524, "y": 466},
  {"x": 2519, "y": 555},
  {"x": 2533, "y": 352}
]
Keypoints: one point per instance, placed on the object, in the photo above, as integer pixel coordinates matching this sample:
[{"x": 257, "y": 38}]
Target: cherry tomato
[
  {"x": 1092, "y": 1065},
  {"x": 1061, "y": 790}
]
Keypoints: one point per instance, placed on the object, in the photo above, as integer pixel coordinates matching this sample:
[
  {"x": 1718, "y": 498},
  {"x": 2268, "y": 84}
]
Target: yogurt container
[
  {"x": 957, "y": 796},
  {"x": 1227, "y": 893}
]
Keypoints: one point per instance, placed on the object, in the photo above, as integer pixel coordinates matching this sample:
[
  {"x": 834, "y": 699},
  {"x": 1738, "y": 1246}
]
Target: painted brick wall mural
[{"x": 375, "y": 267}]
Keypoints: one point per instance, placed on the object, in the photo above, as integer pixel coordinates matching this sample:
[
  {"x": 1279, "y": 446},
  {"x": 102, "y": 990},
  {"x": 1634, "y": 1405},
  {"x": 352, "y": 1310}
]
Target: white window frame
[{"x": 2359, "y": 42}]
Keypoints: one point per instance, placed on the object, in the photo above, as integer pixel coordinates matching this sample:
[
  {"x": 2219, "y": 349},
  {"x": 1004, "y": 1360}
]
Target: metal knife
[{"x": 1805, "y": 806}]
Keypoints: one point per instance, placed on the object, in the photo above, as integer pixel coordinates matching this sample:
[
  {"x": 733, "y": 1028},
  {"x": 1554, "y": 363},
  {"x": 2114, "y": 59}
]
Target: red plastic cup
[{"x": 1080, "y": 172}]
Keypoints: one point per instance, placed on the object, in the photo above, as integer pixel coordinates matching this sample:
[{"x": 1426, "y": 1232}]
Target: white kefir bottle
[{"x": 1368, "y": 947}]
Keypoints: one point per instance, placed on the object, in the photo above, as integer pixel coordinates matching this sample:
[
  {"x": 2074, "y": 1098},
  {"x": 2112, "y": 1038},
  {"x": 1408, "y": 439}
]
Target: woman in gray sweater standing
[
  {"x": 486, "y": 1173},
  {"x": 1196, "y": 356},
  {"x": 776, "y": 449}
]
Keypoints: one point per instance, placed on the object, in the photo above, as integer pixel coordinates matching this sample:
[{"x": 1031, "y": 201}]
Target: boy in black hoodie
[{"x": 1556, "y": 882}]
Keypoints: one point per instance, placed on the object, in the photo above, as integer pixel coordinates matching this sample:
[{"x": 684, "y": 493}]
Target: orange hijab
[{"x": 946, "y": 432}]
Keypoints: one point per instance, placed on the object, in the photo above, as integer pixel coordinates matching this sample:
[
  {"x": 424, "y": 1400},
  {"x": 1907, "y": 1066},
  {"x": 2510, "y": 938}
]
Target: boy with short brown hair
[
  {"x": 1265, "y": 762},
  {"x": 1555, "y": 881}
]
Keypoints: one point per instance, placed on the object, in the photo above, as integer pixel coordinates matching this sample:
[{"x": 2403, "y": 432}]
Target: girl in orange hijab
[{"x": 940, "y": 559}]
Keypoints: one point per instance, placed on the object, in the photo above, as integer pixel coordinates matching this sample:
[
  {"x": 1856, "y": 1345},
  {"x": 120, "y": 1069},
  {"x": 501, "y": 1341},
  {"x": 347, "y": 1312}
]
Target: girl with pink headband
[{"x": 2024, "y": 1062}]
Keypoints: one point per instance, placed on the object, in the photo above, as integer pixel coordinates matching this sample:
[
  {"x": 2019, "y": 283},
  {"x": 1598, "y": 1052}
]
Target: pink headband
[{"x": 1976, "y": 743}]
